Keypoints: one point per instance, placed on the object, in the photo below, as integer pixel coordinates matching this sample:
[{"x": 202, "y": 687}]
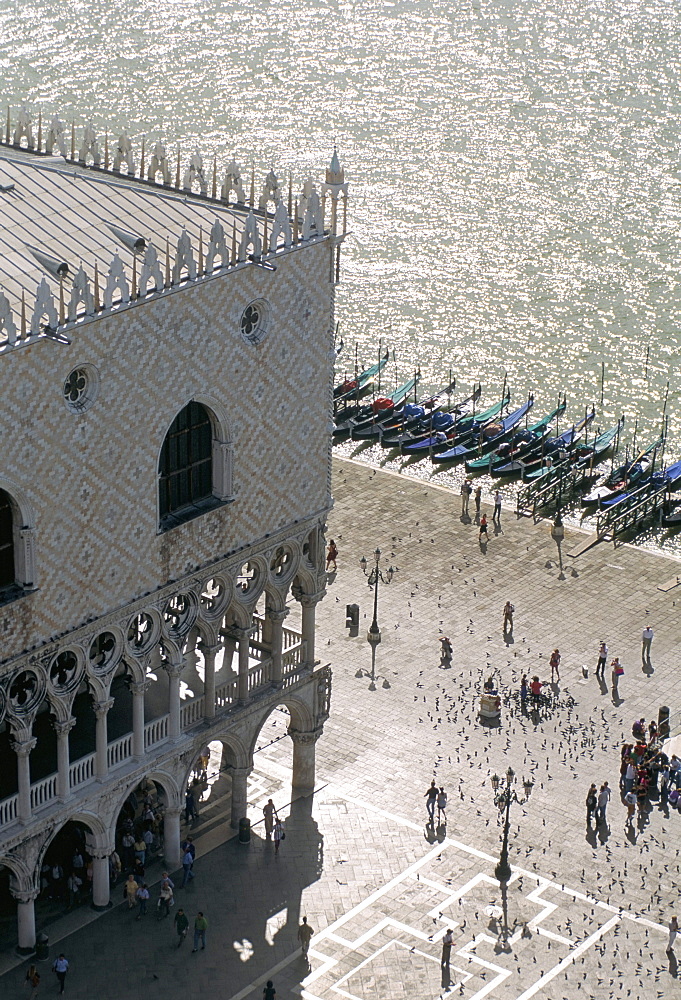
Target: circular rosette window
[
  {"x": 254, "y": 322},
  {"x": 248, "y": 581},
  {"x": 142, "y": 634},
  {"x": 179, "y": 615},
  {"x": 282, "y": 564},
  {"x": 81, "y": 388},
  {"x": 65, "y": 672},
  {"x": 102, "y": 652},
  {"x": 214, "y": 597},
  {"x": 25, "y": 692}
]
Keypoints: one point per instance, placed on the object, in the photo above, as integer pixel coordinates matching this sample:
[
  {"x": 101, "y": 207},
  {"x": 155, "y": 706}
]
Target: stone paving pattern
[{"x": 376, "y": 884}]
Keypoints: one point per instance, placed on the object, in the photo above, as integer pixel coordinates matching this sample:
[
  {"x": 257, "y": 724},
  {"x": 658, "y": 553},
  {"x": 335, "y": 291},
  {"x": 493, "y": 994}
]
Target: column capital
[
  {"x": 101, "y": 708},
  {"x": 236, "y": 632},
  {"x": 210, "y": 650},
  {"x": 22, "y": 748},
  {"x": 277, "y": 616},
  {"x": 140, "y": 687},
  {"x": 63, "y": 727},
  {"x": 98, "y": 852},
  {"x": 240, "y": 772},
  {"x": 312, "y": 600},
  {"x": 25, "y": 895},
  {"x": 305, "y": 739},
  {"x": 173, "y": 669}
]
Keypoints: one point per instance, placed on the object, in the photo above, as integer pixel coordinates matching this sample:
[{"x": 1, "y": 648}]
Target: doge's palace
[{"x": 166, "y": 334}]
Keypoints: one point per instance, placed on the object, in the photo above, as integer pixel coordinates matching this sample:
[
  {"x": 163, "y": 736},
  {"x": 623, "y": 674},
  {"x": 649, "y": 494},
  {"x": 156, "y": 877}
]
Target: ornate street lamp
[
  {"x": 374, "y": 576},
  {"x": 504, "y": 795}
]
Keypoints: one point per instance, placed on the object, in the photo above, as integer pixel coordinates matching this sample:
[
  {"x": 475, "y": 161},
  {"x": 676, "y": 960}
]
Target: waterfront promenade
[{"x": 377, "y": 885}]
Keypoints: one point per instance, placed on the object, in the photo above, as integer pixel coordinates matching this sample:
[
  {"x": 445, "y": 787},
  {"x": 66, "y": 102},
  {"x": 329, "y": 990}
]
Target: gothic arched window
[
  {"x": 186, "y": 464},
  {"x": 7, "y": 570}
]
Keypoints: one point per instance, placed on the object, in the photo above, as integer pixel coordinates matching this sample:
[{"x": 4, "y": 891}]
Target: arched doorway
[
  {"x": 213, "y": 780},
  {"x": 139, "y": 836},
  {"x": 65, "y": 872}
]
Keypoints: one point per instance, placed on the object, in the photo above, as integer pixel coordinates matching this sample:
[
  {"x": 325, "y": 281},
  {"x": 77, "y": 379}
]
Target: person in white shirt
[
  {"x": 602, "y": 659},
  {"x": 447, "y": 946},
  {"x": 647, "y": 639}
]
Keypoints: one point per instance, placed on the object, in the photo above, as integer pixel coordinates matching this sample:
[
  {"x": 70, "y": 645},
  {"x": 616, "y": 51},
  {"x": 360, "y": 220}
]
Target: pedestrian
[
  {"x": 190, "y": 812},
  {"x": 187, "y": 868},
  {"x": 446, "y": 651},
  {"x": 555, "y": 664},
  {"x": 188, "y": 845},
  {"x": 269, "y": 812},
  {"x": 603, "y": 799},
  {"x": 602, "y": 658},
  {"x": 130, "y": 888},
  {"x": 646, "y": 643},
  {"x": 128, "y": 850},
  {"x": 331, "y": 556},
  {"x": 279, "y": 834},
  {"x": 181, "y": 926},
  {"x": 140, "y": 851},
  {"x": 73, "y": 884},
  {"x": 535, "y": 691},
  {"x": 269, "y": 992},
  {"x": 466, "y": 490},
  {"x": 447, "y": 947},
  {"x": 673, "y": 931},
  {"x": 478, "y": 498},
  {"x": 629, "y": 775},
  {"x": 630, "y": 801},
  {"x": 200, "y": 928},
  {"x": 431, "y": 795},
  {"x": 165, "y": 900},
  {"x": 617, "y": 671},
  {"x": 591, "y": 804},
  {"x": 442, "y": 806},
  {"x": 142, "y": 896},
  {"x": 33, "y": 980},
  {"x": 508, "y": 616},
  {"x": 61, "y": 967},
  {"x": 483, "y": 528},
  {"x": 496, "y": 516},
  {"x": 305, "y": 933},
  {"x": 523, "y": 691}
]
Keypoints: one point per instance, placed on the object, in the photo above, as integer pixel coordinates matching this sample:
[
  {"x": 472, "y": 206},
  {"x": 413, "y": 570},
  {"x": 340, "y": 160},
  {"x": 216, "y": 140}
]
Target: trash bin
[
  {"x": 244, "y": 831},
  {"x": 42, "y": 947},
  {"x": 663, "y": 722},
  {"x": 352, "y": 618}
]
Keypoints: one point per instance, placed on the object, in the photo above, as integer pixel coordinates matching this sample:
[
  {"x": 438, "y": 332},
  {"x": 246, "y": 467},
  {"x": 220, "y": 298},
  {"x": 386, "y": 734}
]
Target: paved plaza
[{"x": 588, "y": 909}]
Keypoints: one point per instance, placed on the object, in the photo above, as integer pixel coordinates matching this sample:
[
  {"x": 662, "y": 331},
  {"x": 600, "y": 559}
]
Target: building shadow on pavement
[{"x": 252, "y": 900}]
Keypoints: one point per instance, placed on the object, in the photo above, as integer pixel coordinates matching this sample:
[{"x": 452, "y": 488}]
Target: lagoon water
[{"x": 514, "y": 167}]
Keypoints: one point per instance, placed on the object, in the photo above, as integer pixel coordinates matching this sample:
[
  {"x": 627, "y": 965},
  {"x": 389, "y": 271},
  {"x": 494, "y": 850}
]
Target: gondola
[
  {"x": 380, "y": 405},
  {"x": 414, "y": 429},
  {"x": 492, "y": 437},
  {"x": 557, "y": 450},
  {"x": 524, "y": 443},
  {"x": 361, "y": 385},
  {"x": 669, "y": 477},
  {"x": 627, "y": 475},
  {"x": 437, "y": 439},
  {"x": 672, "y": 519},
  {"x": 412, "y": 413}
]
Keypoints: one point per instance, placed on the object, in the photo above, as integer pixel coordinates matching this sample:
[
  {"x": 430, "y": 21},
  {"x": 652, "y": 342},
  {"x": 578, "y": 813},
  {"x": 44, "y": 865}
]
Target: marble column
[
  {"x": 304, "y": 760},
  {"x": 309, "y": 604},
  {"x": 101, "y": 709},
  {"x": 243, "y": 635},
  {"x": 174, "y": 670},
  {"x": 171, "y": 838},
  {"x": 209, "y": 655},
  {"x": 101, "y": 894},
  {"x": 239, "y": 776},
  {"x": 22, "y": 749},
  {"x": 139, "y": 689},
  {"x": 25, "y": 919},
  {"x": 276, "y": 621},
  {"x": 62, "y": 729}
]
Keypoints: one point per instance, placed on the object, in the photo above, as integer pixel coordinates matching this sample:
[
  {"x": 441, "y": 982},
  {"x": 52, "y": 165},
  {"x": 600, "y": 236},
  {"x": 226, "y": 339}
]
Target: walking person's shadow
[
  {"x": 601, "y": 683},
  {"x": 673, "y": 965},
  {"x": 648, "y": 667}
]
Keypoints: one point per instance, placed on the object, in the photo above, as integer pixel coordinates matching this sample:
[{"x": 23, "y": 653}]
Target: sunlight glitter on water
[{"x": 514, "y": 170}]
